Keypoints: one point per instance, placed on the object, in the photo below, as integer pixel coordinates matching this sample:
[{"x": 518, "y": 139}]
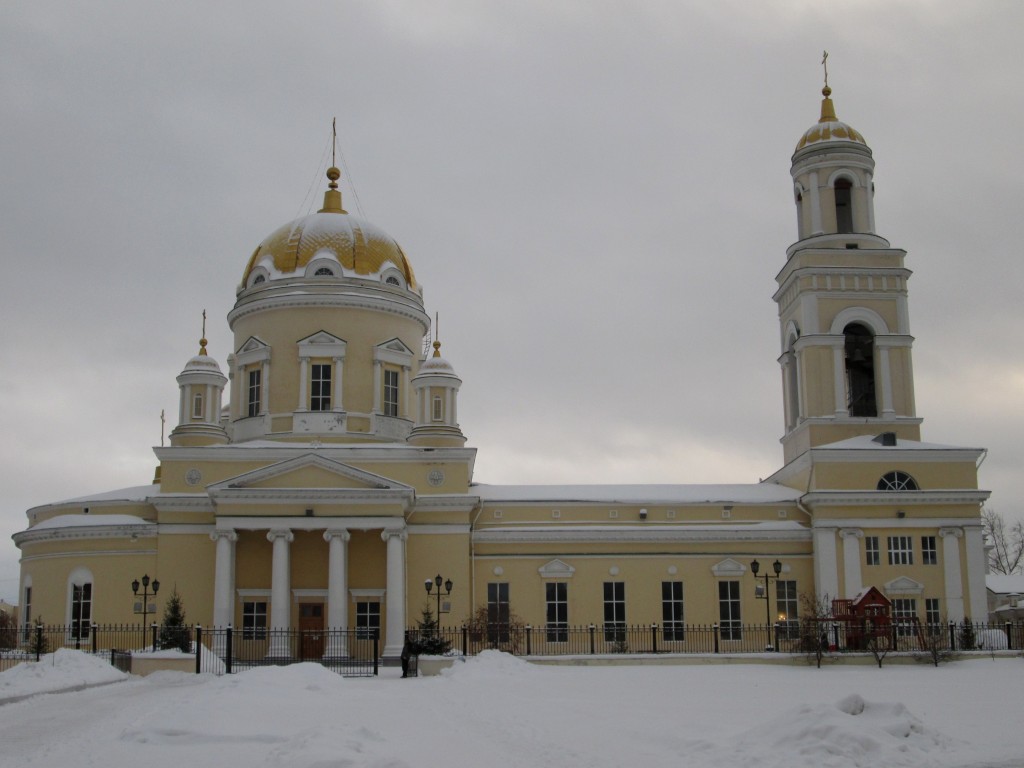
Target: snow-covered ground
[{"x": 494, "y": 711}]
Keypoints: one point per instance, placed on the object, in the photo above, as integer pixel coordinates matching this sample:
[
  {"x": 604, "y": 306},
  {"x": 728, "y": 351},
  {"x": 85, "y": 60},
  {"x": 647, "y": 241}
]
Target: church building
[{"x": 336, "y": 480}]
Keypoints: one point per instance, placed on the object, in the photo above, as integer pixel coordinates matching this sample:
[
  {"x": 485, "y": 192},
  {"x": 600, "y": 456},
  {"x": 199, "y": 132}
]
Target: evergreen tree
[
  {"x": 174, "y": 633},
  {"x": 39, "y": 643},
  {"x": 430, "y": 640}
]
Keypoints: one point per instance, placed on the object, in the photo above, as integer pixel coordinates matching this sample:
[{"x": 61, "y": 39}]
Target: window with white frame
[
  {"x": 788, "y": 605},
  {"x": 556, "y": 595},
  {"x": 871, "y": 551},
  {"x": 438, "y": 409},
  {"x": 614, "y": 611},
  {"x": 26, "y": 614},
  {"x": 81, "y": 610},
  {"x": 320, "y": 387},
  {"x": 929, "y": 551},
  {"x": 497, "y": 612},
  {"x": 197, "y": 405},
  {"x": 254, "y": 394},
  {"x": 390, "y": 392},
  {"x": 254, "y": 619},
  {"x": 932, "y": 615},
  {"x": 367, "y": 618},
  {"x": 897, "y": 481},
  {"x": 904, "y": 612},
  {"x": 729, "y": 620},
  {"x": 901, "y": 550},
  {"x": 672, "y": 610}
]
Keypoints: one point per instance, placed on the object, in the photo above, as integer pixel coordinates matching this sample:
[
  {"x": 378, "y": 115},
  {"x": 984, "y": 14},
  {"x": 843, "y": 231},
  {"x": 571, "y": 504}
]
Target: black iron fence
[
  {"x": 784, "y": 637},
  {"x": 352, "y": 653},
  {"x": 356, "y": 652}
]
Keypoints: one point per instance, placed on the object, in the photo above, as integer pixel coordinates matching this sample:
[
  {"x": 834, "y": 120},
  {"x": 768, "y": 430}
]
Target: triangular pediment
[
  {"x": 395, "y": 345},
  {"x": 904, "y": 585},
  {"x": 556, "y": 569},
  {"x": 252, "y": 344},
  {"x": 309, "y": 471},
  {"x": 728, "y": 567},
  {"x": 321, "y": 337}
]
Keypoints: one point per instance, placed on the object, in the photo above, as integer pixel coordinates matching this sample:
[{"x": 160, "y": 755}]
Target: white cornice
[
  {"x": 193, "y": 502},
  {"x": 896, "y": 522},
  {"x": 639, "y": 534},
  {"x": 893, "y": 498},
  {"x": 446, "y": 502},
  {"x": 296, "y": 296},
  {"x": 301, "y": 523},
  {"x": 138, "y": 530},
  {"x": 242, "y": 452},
  {"x": 461, "y": 528}
]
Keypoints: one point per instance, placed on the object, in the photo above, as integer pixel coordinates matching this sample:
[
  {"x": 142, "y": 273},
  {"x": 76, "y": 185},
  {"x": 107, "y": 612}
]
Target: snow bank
[
  {"x": 57, "y": 671},
  {"x": 489, "y": 665}
]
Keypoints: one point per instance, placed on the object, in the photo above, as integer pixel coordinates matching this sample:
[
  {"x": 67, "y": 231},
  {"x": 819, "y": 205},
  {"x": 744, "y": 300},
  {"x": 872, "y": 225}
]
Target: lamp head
[
  {"x": 777, "y": 567},
  {"x": 145, "y": 580},
  {"x": 448, "y": 586},
  {"x": 156, "y": 586},
  {"x": 135, "y": 586},
  {"x": 755, "y": 567},
  {"x": 428, "y": 584}
]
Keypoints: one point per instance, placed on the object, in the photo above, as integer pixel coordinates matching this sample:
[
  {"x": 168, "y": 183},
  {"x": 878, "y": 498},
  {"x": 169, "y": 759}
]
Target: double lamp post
[{"x": 761, "y": 592}]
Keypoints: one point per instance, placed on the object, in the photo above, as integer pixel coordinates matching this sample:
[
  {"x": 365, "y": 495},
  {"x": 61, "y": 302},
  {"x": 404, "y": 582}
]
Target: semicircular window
[
  {"x": 258, "y": 279},
  {"x": 324, "y": 272},
  {"x": 897, "y": 481},
  {"x": 392, "y": 280}
]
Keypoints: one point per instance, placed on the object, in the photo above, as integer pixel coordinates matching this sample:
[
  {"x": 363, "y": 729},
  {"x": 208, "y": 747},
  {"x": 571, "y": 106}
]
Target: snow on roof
[
  {"x": 869, "y": 442},
  {"x": 135, "y": 493},
  {"x": 1004, "y": 584},
  {"x": 84, "y": 521},
  {"x": 760, "y": 493}
]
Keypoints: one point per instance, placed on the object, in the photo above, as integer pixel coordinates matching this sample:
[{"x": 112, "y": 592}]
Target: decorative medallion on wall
[
  {"x": 193, "y": 476},
  {"x": 435, "y": 477}
]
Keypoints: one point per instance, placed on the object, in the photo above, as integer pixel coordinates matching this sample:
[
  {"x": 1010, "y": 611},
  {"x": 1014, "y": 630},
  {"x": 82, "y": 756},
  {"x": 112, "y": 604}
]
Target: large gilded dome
[
  {"x": 829, "y": 128},
  {"x": 359, "y": 247}
]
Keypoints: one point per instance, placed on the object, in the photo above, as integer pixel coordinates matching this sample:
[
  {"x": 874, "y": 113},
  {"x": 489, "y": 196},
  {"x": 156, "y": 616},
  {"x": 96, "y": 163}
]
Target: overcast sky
[{"x": 595, "y": 195}]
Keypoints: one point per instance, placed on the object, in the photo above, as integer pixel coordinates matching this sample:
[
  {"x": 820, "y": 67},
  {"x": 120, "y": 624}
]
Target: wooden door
[{"x": 311, "y": 628}]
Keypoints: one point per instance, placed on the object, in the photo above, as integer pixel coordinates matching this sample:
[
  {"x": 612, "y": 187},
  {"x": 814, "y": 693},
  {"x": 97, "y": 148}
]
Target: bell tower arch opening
[{"x": 859, "y": 346}]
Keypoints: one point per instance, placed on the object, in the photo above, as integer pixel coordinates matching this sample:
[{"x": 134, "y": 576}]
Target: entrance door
[{"x": 311, "y": 628}]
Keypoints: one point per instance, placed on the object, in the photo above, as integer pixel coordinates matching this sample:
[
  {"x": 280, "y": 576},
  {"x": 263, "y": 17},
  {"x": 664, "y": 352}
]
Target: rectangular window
[
  {"x": 929, "y": 553},
  {"x": 367, "y": 619},
  {"x": 197, "y": 406},
  {"x": 438, "y": 414},
  {"x": 672, "y": 610},
  {"x": 254, "y": 394},
  {"x": 320, "y": 387},
  {"x": 932, "y": 616},
  {"x": 901, "y": 550},
  {"x": 497, "y": 612},
  {"x": 614, "y": 611},
  {"x": 904, "y": 612},
  {"x": 729, "y": 610},
  {"x": 254, "y": 620},
  {"x": 26, "y": 615},
  {"x": 556, "y": 594},
  {"x": 81, "y": 610},
  {"x": 871, "y": 551},
  {"x": 787, "y": 604},
  {"x": 390, "y": 392}
]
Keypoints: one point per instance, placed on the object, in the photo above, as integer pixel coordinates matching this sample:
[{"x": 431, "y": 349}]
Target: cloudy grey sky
[{"x": 596, "y": 196}]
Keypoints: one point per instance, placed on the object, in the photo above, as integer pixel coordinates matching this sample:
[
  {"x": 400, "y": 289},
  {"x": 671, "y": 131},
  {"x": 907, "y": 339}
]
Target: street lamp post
[
  {"x": 438, "y": 582},
  {"x": 146, "y": 594},
  {"x": 754, "y": 568}
]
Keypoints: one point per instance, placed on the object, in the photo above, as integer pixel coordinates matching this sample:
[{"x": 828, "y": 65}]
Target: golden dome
[
  {"x": 361, "y": 248},
  {"x": 829, "y": 128}
]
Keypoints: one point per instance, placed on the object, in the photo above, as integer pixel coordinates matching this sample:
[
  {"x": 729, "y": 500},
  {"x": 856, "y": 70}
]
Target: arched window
[
  {"x": 258, "y": 279},
  {"x": 80, "y": 603},
  {"x": 392, "y": 280},
  {"x": 799, "y": 216},
  {"x": 324, "y": 272},
  {"x": 860, "y": 370},
  {"x": 897, "y": 481},
  {"x": 844, "y": 206}
]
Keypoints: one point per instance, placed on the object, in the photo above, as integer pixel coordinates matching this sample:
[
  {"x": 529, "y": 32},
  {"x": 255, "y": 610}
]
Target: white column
[
  {"x": 394, "y": 637},
  {"x": 812, "y": 181},
  {"x": 869, "y": 196},
  {"x": 223, "y": 604},
  {"x": 376, "y": 385},
  {"x": 303, "y": 378},
  {"x": 280, "y": 593},
  {"x": 883, "y": 364},
  {"x": 974, "y": 541},
  {"x": 826, "y": 577},
  {"x": 265, "y": 389},
  {"x": 338, "y": 405},
  {"x": 839, "y": 373},
  {"x": 405, "y": 392},
  {"x": 337, "y": 591},
  {"x": 851, "y": 560},
  {"x": 951, "y": 568}
]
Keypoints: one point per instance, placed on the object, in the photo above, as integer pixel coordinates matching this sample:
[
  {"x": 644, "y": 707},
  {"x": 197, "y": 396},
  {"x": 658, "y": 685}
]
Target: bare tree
[
  {"x": 815, "y": 616},
  {"x": 935, "y": 643},
  {"x": 1006, "y": 542}
]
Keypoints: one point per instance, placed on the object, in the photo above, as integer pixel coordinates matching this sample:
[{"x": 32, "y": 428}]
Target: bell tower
[{"x": 842, "y": 299}]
